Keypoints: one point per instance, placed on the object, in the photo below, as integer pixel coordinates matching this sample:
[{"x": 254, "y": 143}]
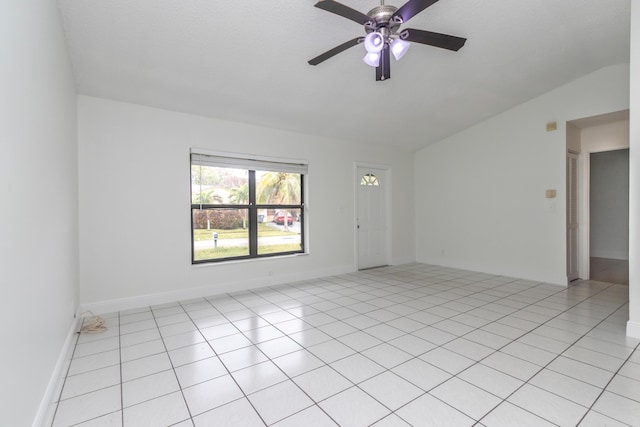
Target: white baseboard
[
  {"x": 112, "y": 306},
  {"x": 633, "y": 329},
  {"x": 44, "y": 416}
]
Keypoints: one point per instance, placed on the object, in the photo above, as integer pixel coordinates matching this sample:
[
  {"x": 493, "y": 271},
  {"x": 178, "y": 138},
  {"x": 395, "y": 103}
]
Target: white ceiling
[{"x": 246, "y": 61}]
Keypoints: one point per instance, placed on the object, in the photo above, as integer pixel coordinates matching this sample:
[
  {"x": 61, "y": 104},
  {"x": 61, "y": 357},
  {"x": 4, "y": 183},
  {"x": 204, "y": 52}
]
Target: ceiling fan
[{"x": 383, "y": 33}]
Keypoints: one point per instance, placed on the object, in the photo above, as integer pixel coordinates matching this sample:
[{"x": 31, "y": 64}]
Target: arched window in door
[{"x": 369, "y": 179}]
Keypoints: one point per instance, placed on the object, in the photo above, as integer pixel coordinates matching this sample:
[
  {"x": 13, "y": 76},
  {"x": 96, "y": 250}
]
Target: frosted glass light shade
[
  {"x": 374, "y": 42},
  {"x": 399, "y": 48},
  {"x": 372, "y": 59}
]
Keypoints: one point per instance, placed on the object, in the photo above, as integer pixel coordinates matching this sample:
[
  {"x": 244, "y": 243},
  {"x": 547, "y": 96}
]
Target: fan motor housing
[{"x": 381, "y": 18}]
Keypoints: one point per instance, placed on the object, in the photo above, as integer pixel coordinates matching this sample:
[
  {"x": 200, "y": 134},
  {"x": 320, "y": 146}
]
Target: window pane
[
  {"x": 220, "y": 233},
  {"x": 369, "y": 179},
  {"x": 280, "y": 232},
  {"x": 278, "y": 188},
  {"x": 213, "y": 185}
]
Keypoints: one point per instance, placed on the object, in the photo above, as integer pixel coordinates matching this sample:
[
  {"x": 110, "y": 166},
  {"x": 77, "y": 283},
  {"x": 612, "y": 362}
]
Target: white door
[
  {"x": 572, "y": 216},
  {"x": 371, "y": 220}
]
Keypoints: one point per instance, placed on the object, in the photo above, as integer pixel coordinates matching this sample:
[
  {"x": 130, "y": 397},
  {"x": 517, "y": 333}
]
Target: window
[
  {"x": 369, "y": 179},
  {"x": 245, "y": 208}
]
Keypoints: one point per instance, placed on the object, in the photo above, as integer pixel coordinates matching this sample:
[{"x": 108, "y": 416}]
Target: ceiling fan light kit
[{"x": 382, "y": 26}]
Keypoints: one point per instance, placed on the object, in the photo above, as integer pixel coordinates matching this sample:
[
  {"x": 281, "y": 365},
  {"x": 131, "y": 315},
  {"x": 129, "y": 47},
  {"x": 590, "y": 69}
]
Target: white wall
[
  {"x": 38, "y": 219},
  {"x": 135, "y": 212},
  {"x": 609, "y": 187},
  {"x": 480, "y": 194},
  {"x": 633, "y": 326}
]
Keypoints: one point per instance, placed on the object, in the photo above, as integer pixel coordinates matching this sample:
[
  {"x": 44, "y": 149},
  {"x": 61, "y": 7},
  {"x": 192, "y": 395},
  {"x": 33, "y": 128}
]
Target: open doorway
[
  {"x": 597, "y": 136},
  {"x": 609, "y": 216}
]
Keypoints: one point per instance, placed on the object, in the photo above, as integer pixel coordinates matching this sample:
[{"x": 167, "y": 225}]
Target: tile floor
[{"x": 411, "y": 345}]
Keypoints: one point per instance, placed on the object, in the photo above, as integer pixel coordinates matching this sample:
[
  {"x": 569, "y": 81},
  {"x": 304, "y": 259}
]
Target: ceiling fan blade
[
  {"x": 383, "y": 71},
  {"x": 444, "y": 41},
  {"x": 344, "y": 11},
  {"x": 336, "y": 50},
  {"x": 411, "y": 9}
]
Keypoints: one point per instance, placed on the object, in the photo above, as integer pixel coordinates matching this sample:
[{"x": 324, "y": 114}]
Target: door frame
[
  {"x": 577, "y": 250},
  {"x": 386, "y": 175},
  {"x": 584, "y": 213}
]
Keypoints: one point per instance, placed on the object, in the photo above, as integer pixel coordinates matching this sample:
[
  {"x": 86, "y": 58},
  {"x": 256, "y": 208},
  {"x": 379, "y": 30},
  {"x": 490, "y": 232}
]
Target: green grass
[
  {"x": 230, "y": 252},
  {"x": 238, "y": 233}
]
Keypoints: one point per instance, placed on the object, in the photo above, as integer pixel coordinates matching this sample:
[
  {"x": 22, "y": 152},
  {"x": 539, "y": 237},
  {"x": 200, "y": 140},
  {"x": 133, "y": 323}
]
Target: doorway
[
  {"x": 609, "y": 216},
  {"x": 372, "y": 230},
  {"x": 586, "y": 137}
]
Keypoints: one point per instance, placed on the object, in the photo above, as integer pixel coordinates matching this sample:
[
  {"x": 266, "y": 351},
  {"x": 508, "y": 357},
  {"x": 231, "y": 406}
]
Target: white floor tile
[
  {"x": 229, "y": 343},
  {"x": 331, "y": 351},
  {"x": 469, "y": 349},
  {"x": 618, "y": 407},
  {"x": 87, "y": 406},
  {"x": 359, "y": 340},
  {"x": 233, "y": 414},
  {"x": 387, "y": 355},
  {"x": 509, "y": 415},
  {"x": 322, "y": 383},
  {"x": 98, "y": 346},
  {"x": 427, "y": 411},
  {"x": 422, "y": 374},
  {"x": 193, "y": 353},
  {"x": 447, "y": 360},
  {"x": 139, "y": 337},
  {"x": 391, "y": 420},
  {"x": 113, "y": 419},
  {"x": 413, "y": 345},
  {"x": 549, "y": 406},
  {"x": 80, "y": 365},
  {"x": 279, "y": 401},
  {"x": 200, "y": 371},
  {"x": 311, "y": 417},
  {"x": 567, "y": 387},
  {"x": 211, "y": 394},
  {"x": 511, "y": 365},
  {"x": 145, "y": 366},
  {"x": 434, "y": 335},
  {"x": 357, "y": 368},
  {"x": 172, "y": 329},
  {"x": 466, "y": 398},
  {"x": 454, "y": 322},
  {"x": 491, "y": 380},
  {"x": 149, "y": 387},
  {"x": 298, "y": 362},
  {"x": 309, "y": 337},
  {"x": 279, "y": 347},
  {"x": 596, "y": 419},
  {"x": 90, "y": 381},
  {"x": 529, "y": 353},
  {"x": 144, "y": 349},
  {"x": 594, "y": 358},
  {"x": 354, "y": 408},
  {"x": 391, "y": 390},
  {"x": 631, "y": 370},
  {"x": 183, "y": 340},
  {"x": 581, "y": 371},
  {"x": 165, "y": 410},
  {"x": 337, "y": 329},
  {"x": 258, "y": 377}
]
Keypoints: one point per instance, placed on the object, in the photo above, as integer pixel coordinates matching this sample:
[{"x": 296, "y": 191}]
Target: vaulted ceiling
[{"x": 246, "y": 61}]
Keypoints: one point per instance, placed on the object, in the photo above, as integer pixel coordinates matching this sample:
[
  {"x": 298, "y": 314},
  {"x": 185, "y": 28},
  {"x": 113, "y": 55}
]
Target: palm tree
[
  {"x": 207, "y": 197},
  {"x": 279, "y": 188},
  {"x": 240, "y": 196}
]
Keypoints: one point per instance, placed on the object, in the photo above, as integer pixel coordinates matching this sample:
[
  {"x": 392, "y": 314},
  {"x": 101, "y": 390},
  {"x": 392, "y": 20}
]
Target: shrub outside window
[{"x": 245, "y": 208}]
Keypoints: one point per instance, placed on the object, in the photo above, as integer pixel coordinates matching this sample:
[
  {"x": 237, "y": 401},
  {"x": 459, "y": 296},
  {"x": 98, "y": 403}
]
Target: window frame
[{"x": 262, "y": 164}]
